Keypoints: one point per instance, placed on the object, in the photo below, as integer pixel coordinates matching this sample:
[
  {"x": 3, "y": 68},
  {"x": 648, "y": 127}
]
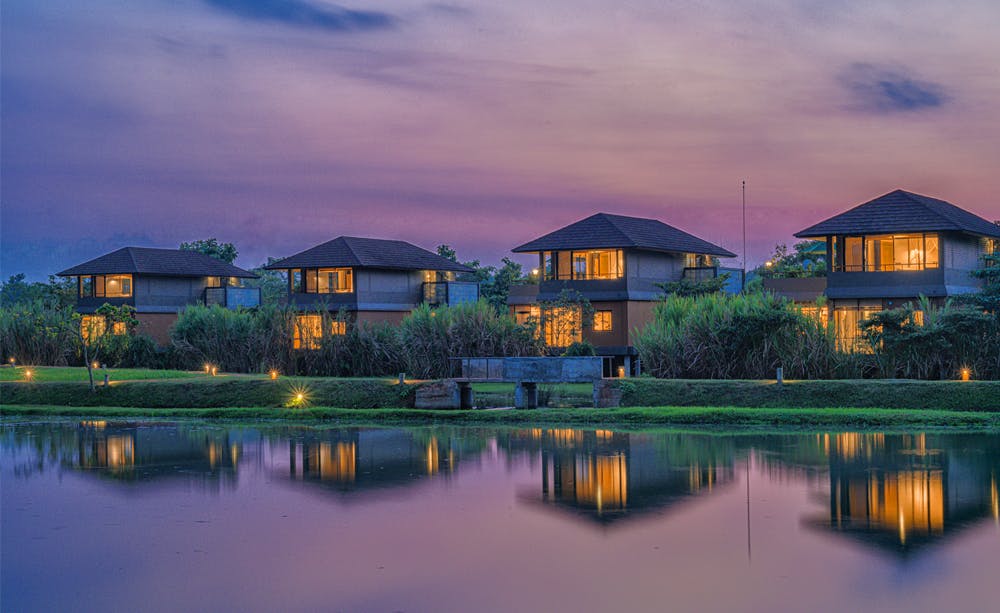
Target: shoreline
[{"x": 698, "y": 417}]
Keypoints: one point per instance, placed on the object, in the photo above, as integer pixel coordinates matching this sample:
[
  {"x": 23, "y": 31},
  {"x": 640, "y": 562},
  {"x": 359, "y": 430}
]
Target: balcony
[
  {"x": 700, "y": 273},
  {"x": 233, "y": 297},
  {"x": 450, "y": 293}
]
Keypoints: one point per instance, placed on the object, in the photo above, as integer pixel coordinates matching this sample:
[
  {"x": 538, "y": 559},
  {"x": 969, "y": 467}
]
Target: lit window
[
  {"x": 562, "y": 326},
  {"x": 117, "y": 286},
  {"x": 213, "y": 281},
  {"x": 338, "y": 327},
  {"x": 890, "y": 252},
  {"x": 93, "y": 326},
  {"x": 602, "y": 321},
  {"x": 86, "y": 287},
  {"x": 848, "y": 327},
  {"x": 818, "y": 313},
  {"x": 525, "y": 315},
  {"x": 308, "y": 331},
  {"x": 335, "y": 281}
]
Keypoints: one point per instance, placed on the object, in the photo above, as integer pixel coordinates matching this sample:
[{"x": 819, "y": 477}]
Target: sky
[{"x": 280, "y": 124}]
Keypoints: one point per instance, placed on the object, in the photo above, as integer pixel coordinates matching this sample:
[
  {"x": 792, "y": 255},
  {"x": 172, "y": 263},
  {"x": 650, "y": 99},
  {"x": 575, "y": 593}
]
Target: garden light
[
  {"x": 12, "y": 361},
  {"x": 299, "y": 398},
  {"x": 208, "y": 368},
  {"x": 966, "y": 374},
  {"x": 274, "y": 375},
  {"x": 28, "y": 374},
  {"x": 96, "y": 365},
  {"x": 215, "y": 370}
]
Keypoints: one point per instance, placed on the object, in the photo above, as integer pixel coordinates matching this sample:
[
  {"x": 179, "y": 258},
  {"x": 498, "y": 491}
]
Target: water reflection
[
  {"x": 604, "y": 476},
  {"x": 902, "y": 492},
  {"x": 892, "y": 492}
]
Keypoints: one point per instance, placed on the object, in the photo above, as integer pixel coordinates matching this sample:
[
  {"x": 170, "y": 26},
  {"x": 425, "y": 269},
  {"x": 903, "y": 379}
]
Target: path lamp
[
  {"x": 274, "y": 375},
  {"x": 966, "y": 374}
]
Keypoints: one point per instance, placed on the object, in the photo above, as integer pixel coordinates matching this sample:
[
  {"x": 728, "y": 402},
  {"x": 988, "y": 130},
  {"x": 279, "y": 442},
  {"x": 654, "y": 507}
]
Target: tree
[
  {"x": 212, "y": 247},
  {"x": 494, "y": 284},
  {"x": 57, "y": 293},
  {"x": 564, "y": 319},
  {"x": 808, "y": 259},
  {"x": 272, "y": 283},
  {"x": 94, "y": 332}
]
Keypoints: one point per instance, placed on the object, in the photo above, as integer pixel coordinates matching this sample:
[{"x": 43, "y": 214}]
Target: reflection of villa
[
  {"x": 898, "y": 492},
  {"x": 133, "y": 453},
  {"x": 366, "y": 459},
  {"x": 605, "y": 476}
]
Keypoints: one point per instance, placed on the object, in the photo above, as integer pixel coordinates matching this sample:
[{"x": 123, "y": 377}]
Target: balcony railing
[
  {"x": 233, "y": 297},
  {"x": 439, "y": 293},
  {"x": 700, "y": 273}
]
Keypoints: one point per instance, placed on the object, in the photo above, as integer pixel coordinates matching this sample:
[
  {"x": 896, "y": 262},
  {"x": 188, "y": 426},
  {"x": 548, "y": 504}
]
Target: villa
[
  {"x": 619, "y": 264},
  {"x": 370, "y": 280},
  {"x": 158, "y": 283},
  {"x": 891, "y": 250}
]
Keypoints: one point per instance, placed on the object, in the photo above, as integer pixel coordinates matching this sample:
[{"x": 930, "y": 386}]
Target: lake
[{"x": 127, "y": 516}]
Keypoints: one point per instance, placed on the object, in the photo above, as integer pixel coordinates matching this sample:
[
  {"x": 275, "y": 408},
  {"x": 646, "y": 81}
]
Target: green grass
[
  {"x": 67, "y": 373},
  {"x": 856, "y": 393},
  {"x": 214, "y": 392},
  {"x": 729, "y": 417}
]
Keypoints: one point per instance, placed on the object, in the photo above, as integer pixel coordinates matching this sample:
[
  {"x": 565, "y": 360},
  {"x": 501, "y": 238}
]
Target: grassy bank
[
  {"x": 855, "y": 393},
  {"x": 215, "y": 392},
  {"x": 76, "y": 373},
  {"x": 644, "y": 416}
]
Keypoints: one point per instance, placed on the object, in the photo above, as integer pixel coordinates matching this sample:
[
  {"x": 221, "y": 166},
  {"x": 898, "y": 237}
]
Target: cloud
[
  {"x": 885, "y": 90},
  {"x": 305, "y": 14}
]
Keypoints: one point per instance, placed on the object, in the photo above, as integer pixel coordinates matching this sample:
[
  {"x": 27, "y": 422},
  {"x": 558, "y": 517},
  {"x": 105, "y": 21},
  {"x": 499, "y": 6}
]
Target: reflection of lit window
[
  {"x": 334, "y": 462},
  {"x": 308, "y": 331},
  {"x": 433, "y": 456},
  {"x": 602, "y": 482},
  {"x": 121, "y": 452},
  {"x": 602, "y": 321}
]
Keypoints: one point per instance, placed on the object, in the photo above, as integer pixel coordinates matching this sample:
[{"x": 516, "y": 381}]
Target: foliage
[
  {"x": 494, "y": 283},
  {"x": 94, "y": 336},
  {"x": 56, "y": 293},
  {"x": 432, "y": 336},
  {"x": 212, "y": 247},
  {"x": 806, "y": 260},
  {"x": 951, "y": 338},
  {"x": 580, "y": 349},
  {"x": 33, "y": 332},
  {"x": 272, "y": 283},
  {"x": 720, "y": 336},
  {"x": 255, "y": 340},
  {"x": 690, "y": 287}
]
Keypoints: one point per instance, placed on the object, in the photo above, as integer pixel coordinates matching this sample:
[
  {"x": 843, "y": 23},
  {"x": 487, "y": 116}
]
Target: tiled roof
[
  {"x": 902, "y": 211},
  {"x": 354, "y": 252},
  {"x": 159, "y": 262},
  {"x": 606, "y": 231}
]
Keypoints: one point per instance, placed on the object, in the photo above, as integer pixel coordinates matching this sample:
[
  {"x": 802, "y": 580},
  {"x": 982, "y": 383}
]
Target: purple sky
[{"x": 278, "y": 124}]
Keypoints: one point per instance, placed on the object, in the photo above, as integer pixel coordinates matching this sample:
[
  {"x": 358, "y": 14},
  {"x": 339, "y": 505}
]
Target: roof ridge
[
  {"x": 131, "y": 256},
  {"x": 612, "y": 219}
]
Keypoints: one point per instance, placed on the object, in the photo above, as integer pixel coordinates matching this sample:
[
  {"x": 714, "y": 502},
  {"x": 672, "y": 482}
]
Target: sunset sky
[{"x": 279, "y": 124}]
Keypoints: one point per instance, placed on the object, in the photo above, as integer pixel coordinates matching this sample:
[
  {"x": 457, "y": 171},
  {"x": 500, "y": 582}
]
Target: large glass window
[
  {"x": 308, "y": 331},
  {"x": 93, "y": 326},
  {"x": 562, "y": 326},
  {"x": 602, "y": 321},
  {"x": 527, "y": 315},
  {"x": 335, "y": 281},
  {"x": 579, "y": 265},
  {"x": 106, "y": 286},
  {"x": 888, "y": 252},
  {"x": 848, "y": 327}
]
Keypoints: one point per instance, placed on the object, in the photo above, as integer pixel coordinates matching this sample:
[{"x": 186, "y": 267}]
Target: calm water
[{"x": 128, "y": 516}]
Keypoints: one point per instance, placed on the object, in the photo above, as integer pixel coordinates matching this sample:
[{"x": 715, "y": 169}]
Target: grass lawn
[
  {"x": 728, "y": 417},
  {"x": 78, "y": 373}
]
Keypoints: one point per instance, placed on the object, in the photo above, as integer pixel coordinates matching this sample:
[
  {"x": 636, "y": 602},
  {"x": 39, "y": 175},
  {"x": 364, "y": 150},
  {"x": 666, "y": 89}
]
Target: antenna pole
[{"x": 743, "y": 284}]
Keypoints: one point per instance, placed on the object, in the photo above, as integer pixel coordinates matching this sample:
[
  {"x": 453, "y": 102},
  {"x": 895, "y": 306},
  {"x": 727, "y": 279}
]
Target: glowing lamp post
[{"x": 966, "y": 374}]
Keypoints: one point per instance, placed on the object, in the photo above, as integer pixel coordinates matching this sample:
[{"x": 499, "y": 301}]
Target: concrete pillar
[
  {"x": 628, "y": 366},
  {"x": 526, "y": 395},
  {"x": 465, "y": 398}
]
